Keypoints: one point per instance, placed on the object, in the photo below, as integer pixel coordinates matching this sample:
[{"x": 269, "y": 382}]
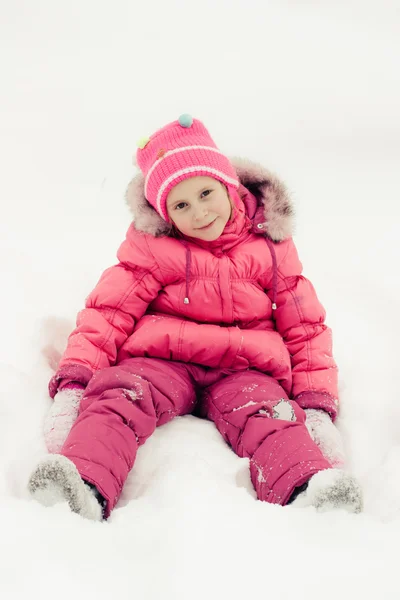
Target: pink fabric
[
  {"x": 69, "y": 374},
  {"x": 122, "y": 406},
  {"x": 138, "y": 309},
  {"x": 73, "y": 385},
  {"x": 175, "y": 153}
]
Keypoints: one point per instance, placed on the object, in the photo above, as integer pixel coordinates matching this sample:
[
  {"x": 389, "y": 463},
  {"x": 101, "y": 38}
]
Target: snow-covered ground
[{"x": 309, "y": 88}]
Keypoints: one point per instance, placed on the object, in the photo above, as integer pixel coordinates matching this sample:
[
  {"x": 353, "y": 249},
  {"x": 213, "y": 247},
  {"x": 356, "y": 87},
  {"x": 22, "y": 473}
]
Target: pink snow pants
[{"x": 123, "y": 405}]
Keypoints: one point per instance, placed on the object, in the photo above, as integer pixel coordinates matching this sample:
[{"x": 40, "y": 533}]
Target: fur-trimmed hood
[{"x": 277, "y": 210}]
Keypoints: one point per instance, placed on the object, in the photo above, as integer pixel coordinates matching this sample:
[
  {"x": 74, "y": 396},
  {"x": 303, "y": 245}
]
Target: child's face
[{"x": 199, "y": 207}]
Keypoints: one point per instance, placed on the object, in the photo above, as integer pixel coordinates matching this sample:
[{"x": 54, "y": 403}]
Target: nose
[{"x": 200, "y": 212}]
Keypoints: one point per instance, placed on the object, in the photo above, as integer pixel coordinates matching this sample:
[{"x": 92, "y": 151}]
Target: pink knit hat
[{"x": 180, "y": 150}]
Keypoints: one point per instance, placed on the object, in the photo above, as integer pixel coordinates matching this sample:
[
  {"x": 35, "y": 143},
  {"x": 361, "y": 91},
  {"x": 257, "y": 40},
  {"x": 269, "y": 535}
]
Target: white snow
[
  {"x": 310, "y": 89},
  {"x": 283, "y": 410},
  {"x": 249, "y": 403}
]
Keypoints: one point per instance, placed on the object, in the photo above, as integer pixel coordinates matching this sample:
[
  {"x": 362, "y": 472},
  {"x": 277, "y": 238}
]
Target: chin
[{"x": 210, "y": 236}]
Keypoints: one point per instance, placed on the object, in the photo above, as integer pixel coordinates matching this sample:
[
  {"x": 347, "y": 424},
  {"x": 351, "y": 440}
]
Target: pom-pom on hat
[{"x": 181, "y": 149}]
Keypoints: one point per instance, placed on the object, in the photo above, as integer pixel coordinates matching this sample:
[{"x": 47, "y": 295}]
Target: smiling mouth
[{"x": 206, "y": 226}]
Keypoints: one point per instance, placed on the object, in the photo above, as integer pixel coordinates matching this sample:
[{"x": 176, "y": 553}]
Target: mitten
[
  {"x": 62, "y": 416},
  {"x": 325, "y": 435}
]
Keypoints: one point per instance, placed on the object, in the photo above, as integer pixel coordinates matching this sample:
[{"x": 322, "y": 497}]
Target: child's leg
[
  {"x": 255, "y": 417},
  {"x": 120, "y": 409}
]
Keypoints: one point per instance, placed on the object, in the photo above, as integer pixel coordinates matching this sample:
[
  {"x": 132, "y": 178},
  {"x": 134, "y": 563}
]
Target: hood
[{"x": 271, "y": 195}]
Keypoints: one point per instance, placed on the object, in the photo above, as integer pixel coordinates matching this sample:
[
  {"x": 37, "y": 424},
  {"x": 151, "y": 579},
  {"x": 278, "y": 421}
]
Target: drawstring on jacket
[
  {"x": 188, "y": 265},
  {"x": 274, "y": 271}
]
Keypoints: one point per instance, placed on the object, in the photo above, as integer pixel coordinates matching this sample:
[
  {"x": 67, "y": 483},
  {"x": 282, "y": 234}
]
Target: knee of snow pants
[
  {"x": 120, "y": 409},
  {"x": 256, "y": 418}
]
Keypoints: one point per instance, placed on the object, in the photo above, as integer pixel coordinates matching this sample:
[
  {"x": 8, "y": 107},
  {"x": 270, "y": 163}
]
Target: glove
[
  {"x": 62, "y": 416},
  {"x": 326, "y": 436}
]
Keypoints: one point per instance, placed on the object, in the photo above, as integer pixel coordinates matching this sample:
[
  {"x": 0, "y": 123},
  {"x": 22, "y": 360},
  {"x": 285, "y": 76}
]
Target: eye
[
  {"x": 180, "y": 206},
  {"x": 205, "y": 193}
]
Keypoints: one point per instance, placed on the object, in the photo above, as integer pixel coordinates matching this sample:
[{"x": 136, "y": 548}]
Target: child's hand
[
  {"x": 325, "y": 435},
  {"x": 62, "y": 416}
]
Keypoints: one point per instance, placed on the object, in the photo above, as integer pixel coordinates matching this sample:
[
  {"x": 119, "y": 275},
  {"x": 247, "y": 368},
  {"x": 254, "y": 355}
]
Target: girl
[{"x": 206, "y": 311}]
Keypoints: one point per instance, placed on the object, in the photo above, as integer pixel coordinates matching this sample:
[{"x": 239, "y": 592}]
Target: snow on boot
[
  {"x": 330, "y": 489},
  {"x": 56, "y": 479}
]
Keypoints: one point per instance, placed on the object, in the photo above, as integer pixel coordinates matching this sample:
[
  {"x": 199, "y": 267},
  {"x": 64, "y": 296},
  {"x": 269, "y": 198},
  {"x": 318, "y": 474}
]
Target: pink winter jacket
[{"x": 237, "y": 303}]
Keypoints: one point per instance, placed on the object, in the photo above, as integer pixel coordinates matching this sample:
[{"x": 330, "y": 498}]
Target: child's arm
[
  {"x": 111, "y": 311},
  {"x": 300, "y": 319}
]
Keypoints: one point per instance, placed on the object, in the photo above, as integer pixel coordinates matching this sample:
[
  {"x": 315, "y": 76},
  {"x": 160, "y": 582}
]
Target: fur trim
[
  {"x": 270, "y": 192},
  {"x": 146, "y": 219}
]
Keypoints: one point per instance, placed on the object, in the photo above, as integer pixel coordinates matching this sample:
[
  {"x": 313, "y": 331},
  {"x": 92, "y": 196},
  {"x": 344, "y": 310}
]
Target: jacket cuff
[
  {"x": 68, "y": 374},
  {"x": 66, "y": 384},
  {"x": 319, "y": 400}
]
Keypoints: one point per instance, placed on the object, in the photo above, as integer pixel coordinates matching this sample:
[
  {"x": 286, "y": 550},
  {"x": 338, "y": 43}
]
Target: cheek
[
  {"x": 227, "y": 209},
  {"x": 181, "y": 221}
]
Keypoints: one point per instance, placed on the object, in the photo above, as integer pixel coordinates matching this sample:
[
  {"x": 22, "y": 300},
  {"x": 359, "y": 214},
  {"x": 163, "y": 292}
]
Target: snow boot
[
  {"x": 330, "y": 489},
  {"x": 56, "y": 479}
]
